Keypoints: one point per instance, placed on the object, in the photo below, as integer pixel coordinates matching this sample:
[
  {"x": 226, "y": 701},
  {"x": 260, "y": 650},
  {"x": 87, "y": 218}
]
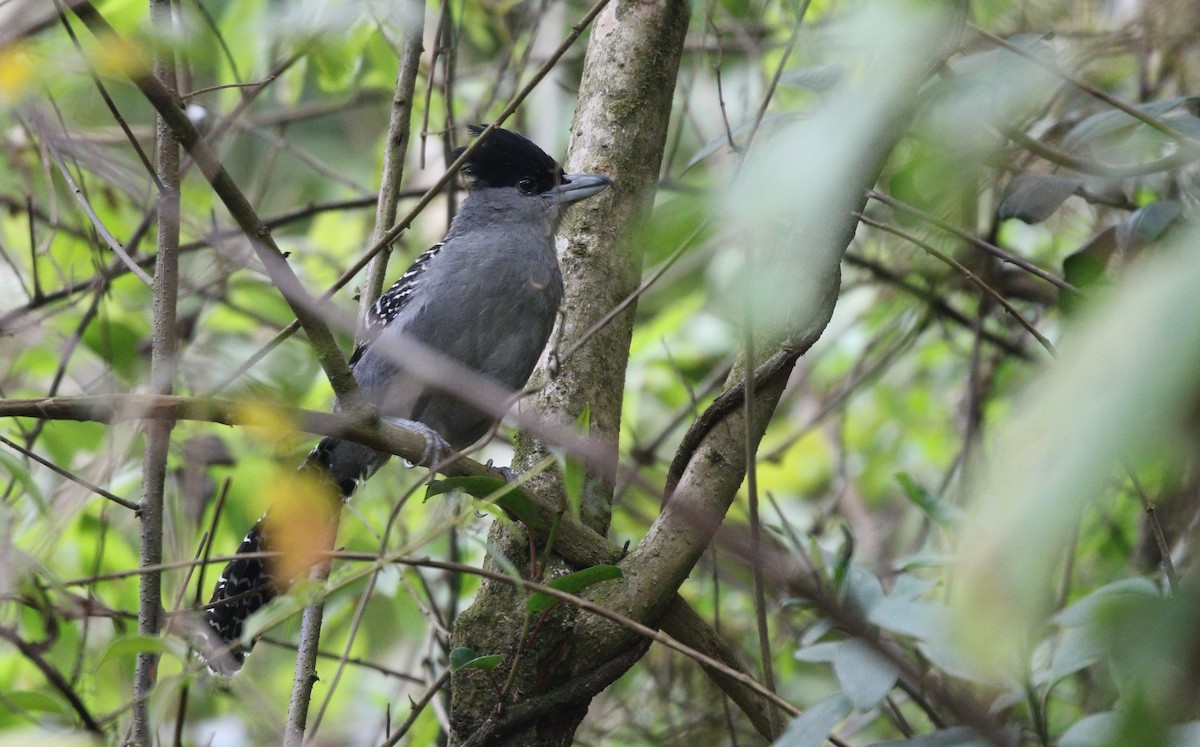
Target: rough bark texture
[
  {"x": 620, "y": 130},
  {"x": 798, "y": 268},
  {"x": 803, "y": 277}
]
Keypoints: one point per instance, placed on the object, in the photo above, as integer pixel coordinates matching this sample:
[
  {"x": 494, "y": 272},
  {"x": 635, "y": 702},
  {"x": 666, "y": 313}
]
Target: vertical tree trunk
[{"x": 620, "y": 130}]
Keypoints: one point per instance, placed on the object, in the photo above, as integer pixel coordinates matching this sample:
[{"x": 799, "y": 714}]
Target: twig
[
  {"x": 975, "y": 279},
  {"x": 112, "y": 107},
  {"x": 625, "y": 302},
  {"x": 991, "y": 249},
  {"x": 71, "y": 476},
  {"x": 1181, "y": 157},
  {"x": 787, "y": 52},
  {"x": 55, "y": 678},
  {"x": 1082, "y": 85},
  {"x": 577, "y": 543},
  {"x": 101, "y": 229},
  {"x": 936, "y": 304},
  {"x": 417, "y": 707},
  {"x": 118, "y": 268},
  {"x": 780, "y": 364},
  {"x": 162, "y": 377},
  {"x": 394, "y": 232},
  {"x": 399, "y": 132},
  {"x": 751, "y": 457},
  {"x": 388, "y": 199},
  {"x": 304, "y": 307},
  {"x": 1156, "y": 528},
  {"x": 585, "y": 604},
  {"x": 306, "y": 659}
]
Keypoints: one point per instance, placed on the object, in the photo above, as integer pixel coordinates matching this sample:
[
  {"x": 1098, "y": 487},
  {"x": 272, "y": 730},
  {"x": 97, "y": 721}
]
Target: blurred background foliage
[{"x": 1025, "y": 585}]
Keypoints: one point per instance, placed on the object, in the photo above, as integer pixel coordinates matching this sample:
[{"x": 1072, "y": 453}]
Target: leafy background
[{"x": 972, "y": 509}]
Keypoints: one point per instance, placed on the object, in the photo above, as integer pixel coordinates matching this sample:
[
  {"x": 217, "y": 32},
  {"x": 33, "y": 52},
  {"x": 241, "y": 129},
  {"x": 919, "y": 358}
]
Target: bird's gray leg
[{"x": 436, "y": 447}]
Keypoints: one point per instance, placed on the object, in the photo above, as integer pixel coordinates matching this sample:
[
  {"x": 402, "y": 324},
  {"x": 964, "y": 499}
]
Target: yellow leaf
[
  {"x": 120, "y": 56},
  {"x": 301, "y": 523},
  {"x": 16, "y": 73},
  {"x": 269, "y": 425}
]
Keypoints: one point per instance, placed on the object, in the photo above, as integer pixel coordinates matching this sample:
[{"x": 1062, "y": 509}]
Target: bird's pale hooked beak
[{"x": 576, "y": 187}]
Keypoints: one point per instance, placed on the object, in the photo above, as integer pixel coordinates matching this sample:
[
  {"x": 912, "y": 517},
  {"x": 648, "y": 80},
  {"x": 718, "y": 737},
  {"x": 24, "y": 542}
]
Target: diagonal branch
[
  {"x": 55, "y": 678},
  {"x": 575, "y": 542},
  {"x": 305, "y": 307}
]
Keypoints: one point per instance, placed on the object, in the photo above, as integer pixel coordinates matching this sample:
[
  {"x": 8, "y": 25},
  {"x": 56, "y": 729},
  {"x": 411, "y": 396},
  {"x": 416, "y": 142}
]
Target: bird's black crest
[{"x": 506, "y": 158}]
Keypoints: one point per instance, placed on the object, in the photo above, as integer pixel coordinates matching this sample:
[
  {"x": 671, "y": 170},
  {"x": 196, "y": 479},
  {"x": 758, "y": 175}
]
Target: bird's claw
[
  {"x": 436, "y": 448},
  {"x": 504, "y": 472}
]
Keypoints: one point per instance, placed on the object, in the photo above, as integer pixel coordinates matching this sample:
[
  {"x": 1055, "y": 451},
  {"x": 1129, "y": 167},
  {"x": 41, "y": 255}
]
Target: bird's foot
[
  {"x": 504, "y": 472},
  {"x": 436, "y": 448}
]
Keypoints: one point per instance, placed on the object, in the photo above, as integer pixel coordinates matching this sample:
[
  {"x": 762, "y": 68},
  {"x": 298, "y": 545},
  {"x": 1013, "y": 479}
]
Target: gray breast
[{"x": 490, "y": 306}]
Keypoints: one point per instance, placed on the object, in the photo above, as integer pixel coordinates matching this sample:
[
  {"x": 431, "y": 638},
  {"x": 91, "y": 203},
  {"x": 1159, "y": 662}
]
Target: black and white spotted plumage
[
  {"x": 245, "y": 585},
  {"x": 486, "y": 296},
  {"x": 389, "y": 305}
]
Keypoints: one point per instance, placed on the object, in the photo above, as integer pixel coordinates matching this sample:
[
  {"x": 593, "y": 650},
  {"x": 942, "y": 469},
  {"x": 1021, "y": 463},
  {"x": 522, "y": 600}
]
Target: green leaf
[
  {"x": 1091, "y": 730},
  {"x": 845, "y": 554},
  {"x": 935, "y": 507},
  {"x": 466, "y": 658},
  {"x": 910, "y": 587},
  {"x": 816, "y": 631},
  {"x": 1075, "y": 649},
  {"x": 924, "y": 620},
  {"x": 819, "y": 652},
  {"x": 958, "y": 736},
  {"x": 1111, "y": 122},
  {"x": 814, "y": 78},
  {"x": 1088, "y": 266},
  {"x": 36, "y": 701},
  {"x": 572, "y": 583},
  {"x": 504, "y": 494},
  {"x": 950, "y": 659},
  {"x": 1083, "y": 610},
  {"x": 118, "y": 342},
  {"x": 866, "y": 675},
  {"x": 863, "y": 589},
  {"x": 1146, "y": 225},
  {"x": 813, "y": 727},
  {"x": 922, "y": 560},
  {"x": 21, "y": 474},
  {"x": 1032, "y": 198},
  {"x": 573, "y": 471},
  {"x": 722, "y": 140},
  {"x": 132, "y": 646},
  {"x": 337, "y": 65}
]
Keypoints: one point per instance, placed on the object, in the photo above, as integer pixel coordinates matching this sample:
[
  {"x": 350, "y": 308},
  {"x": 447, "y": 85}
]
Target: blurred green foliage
[{"x": 866, "y": 474}]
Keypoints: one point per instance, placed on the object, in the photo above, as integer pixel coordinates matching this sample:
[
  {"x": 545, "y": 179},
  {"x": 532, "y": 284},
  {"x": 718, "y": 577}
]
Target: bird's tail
[{"x": 249, "y": 581}]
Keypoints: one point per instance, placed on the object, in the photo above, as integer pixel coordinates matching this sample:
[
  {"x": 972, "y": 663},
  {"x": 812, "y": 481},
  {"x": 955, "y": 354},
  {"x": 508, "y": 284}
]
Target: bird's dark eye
[{"x": 526, "y": 185}]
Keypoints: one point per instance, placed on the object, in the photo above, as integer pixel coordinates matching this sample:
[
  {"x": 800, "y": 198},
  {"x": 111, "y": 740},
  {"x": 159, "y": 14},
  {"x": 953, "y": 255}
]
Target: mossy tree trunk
[{"x": 620, "y": 130}]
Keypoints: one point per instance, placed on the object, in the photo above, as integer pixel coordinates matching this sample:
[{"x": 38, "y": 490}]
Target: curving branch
[
  {"x": 575, "y": 542},
  {"x": 713, "y": 460}
]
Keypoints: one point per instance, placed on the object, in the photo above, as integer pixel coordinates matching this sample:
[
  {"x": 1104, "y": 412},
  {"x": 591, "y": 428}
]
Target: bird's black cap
[{"x": 507, "y": 159}]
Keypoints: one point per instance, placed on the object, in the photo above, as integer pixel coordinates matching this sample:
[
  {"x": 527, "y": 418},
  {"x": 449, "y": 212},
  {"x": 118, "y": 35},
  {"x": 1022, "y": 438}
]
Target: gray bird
[{"x": 487, "y": 296}]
